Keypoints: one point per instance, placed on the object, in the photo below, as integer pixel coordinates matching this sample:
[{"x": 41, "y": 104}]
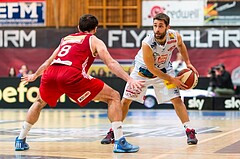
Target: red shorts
[{"x": 60, "y": 79}]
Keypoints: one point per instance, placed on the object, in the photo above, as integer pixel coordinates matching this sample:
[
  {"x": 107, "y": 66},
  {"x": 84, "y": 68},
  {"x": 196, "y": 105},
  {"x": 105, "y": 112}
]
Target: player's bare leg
[
  {"x": 109, "y": 138},
  {"x": 125, "y": 107},
  {"x": 112, "y": 98},
  {"x": 181, "y": 111},
  {"x": 32, "y": 117}
]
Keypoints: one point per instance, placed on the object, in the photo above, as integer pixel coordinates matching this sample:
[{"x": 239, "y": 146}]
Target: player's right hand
[
  {"x": 28, "y": 78},
  {"x": 136, "y": 84},
  {"x": 177, "y": 81}
]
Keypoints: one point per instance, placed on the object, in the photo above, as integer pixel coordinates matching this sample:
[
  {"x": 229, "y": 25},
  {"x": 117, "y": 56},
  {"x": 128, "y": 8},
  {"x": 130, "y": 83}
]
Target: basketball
[{"x": 189, "y": 78}]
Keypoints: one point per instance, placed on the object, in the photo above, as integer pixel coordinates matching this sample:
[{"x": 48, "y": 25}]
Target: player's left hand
[{"x": 190, "y": 66}]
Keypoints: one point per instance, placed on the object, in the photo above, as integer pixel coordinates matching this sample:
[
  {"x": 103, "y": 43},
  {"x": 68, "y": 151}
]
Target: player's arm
[
  {"x": 183, "y": 50},
  {"x": 41, "y": 69},
  {"x": 149, "y": 62},
  {"x": 112, "y": 64}
]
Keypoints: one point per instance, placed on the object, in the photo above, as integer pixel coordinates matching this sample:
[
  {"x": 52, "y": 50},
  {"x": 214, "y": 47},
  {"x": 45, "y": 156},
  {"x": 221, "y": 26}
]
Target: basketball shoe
[
  {"x": 122, "y": 146},
  {"x": 21, "y": 145},
  {"x": 109, "y": 138},
  {"x": 191, "y": 137}
]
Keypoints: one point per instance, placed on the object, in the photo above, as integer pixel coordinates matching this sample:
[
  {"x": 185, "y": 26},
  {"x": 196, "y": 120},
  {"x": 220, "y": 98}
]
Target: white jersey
[
  {"x": 162, "y": 54},
  {"x": 164, "y": 91}
]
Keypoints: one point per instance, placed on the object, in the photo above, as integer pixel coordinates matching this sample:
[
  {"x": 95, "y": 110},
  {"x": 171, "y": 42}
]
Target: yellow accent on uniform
[{"x": 169, "y": 85}]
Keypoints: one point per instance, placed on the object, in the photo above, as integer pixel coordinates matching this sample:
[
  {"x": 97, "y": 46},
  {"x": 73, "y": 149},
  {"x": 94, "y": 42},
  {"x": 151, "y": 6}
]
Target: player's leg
[
  {"x": 48, "y": 93},
  {"x": 165, "y": 92},
  {"x": 112, "y": 98},
  {"x": 109, "y": 138},
  {"x": 128, "y": 96},
  {"x": 32, "y": 117},
  {"x": 125, "y": 107},
  {"x": 181, "y": 111}
]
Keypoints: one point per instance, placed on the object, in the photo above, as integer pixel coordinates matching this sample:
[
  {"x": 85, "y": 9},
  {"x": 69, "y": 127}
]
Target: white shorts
[{"x": 163, "y": 91}]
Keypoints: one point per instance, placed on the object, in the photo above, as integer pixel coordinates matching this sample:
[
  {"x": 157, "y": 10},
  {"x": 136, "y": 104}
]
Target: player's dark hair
[
  {"x": 162, "y": 16},
  {"x": 87, "y": 22}
]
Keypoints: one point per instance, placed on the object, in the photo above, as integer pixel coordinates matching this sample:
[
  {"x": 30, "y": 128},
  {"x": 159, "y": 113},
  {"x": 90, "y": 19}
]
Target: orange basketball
[{"x": 189, "y": 78}]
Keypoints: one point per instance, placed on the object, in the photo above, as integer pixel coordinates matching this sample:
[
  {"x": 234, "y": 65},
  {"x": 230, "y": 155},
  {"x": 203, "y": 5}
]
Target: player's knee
[
  {"x": 40, "y": 103},
  {"x": 115, "y": 95}
]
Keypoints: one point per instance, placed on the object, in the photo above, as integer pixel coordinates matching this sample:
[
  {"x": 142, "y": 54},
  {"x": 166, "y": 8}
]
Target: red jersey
[{"x": 75, "y": 51}]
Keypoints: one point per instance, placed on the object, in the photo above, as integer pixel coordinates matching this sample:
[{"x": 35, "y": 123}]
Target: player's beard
[{"x": 160, "y": 36}]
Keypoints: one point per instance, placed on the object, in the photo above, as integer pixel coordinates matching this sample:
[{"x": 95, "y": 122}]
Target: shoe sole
[
  {"x": 124, "y": 151},
  {"x": 107, "y": 142},
  {"x": 19, "y": 149},
  {"x": 192, "y": 142}
]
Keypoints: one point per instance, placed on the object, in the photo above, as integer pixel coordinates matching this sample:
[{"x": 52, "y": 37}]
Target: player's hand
[
  {"x": 28, "y": 78},
  {"x": 136, "y": 84},
  {"x": 177, "y": 81}
]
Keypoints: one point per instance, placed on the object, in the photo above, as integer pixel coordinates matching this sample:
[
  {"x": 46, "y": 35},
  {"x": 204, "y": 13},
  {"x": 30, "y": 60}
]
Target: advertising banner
[
  {"x": 199, "y": 103},
  {"x": 226, "y": 103},
  {"x": 181, "y": 13},
  {"x": 14, "y": 94},
  {"x": 22, "y": 12},
  {"x": 207, "y": 47},
  {"x": 222, "y": 13},
  {"x": 236, "y": 76}
]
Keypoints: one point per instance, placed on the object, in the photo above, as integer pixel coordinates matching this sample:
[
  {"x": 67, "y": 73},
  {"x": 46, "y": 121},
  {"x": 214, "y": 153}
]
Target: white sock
[
  {"x": 187, "y": 125},
  {"x": 117, "y": 129},
  {"x": 25, "y": 129}
]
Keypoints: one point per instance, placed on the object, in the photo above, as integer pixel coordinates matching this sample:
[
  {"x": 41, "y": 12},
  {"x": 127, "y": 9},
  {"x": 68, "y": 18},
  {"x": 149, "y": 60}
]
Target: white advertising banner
[
  {"x": 22, "y": 13},
  {"x": 181, "y": 13}
]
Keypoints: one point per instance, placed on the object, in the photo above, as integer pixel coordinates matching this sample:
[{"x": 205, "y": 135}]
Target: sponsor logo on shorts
[
  {"x": 84, "y": 96},
  {"x": 176, "y": 91},
  {"x": 132, "y": 92}
]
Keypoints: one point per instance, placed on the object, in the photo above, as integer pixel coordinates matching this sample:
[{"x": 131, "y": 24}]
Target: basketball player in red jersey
[{"x": 66, "y": 72}]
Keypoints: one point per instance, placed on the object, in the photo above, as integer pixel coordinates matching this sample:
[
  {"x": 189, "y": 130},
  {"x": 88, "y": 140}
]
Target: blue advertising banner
[{"x": 22, "y": 12}]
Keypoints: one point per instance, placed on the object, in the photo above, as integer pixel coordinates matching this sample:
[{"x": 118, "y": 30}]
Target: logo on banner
[
  {"x": 22, "y": 13},
  {"x": 232, "y": 103},
  {"x": 155, "y": 10},
  {"x": 178, "y": 11},
  {"x": 196, "y": 103}
]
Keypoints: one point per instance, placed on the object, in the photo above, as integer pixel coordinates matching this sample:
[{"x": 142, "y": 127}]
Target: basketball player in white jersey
[{"x": 153, "y": 65}]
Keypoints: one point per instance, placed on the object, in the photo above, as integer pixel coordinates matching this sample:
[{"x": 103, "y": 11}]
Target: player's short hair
[
  {"x": 87, "y": 22},
  {"x": 162, "y": 16}
]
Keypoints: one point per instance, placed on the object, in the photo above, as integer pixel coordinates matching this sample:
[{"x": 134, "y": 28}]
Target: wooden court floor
[{"x": 76, "y": 133}]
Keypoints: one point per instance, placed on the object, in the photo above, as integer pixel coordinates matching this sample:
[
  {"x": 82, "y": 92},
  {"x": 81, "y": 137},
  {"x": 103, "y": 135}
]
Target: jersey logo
[
  {"x": 171, "y": 41},
  {"x": 84, "y": 96},
  {"x": 74, "y": 37},
  {"x": 171, "y": 35},
  {"x": 172, "y": 48}
]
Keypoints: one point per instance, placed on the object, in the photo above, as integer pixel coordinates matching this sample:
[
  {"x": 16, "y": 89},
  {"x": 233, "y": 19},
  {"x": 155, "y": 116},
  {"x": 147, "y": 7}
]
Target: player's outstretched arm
[
  {"x": 112, "y": 64},
  {"x": 40, "y": 70}
]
